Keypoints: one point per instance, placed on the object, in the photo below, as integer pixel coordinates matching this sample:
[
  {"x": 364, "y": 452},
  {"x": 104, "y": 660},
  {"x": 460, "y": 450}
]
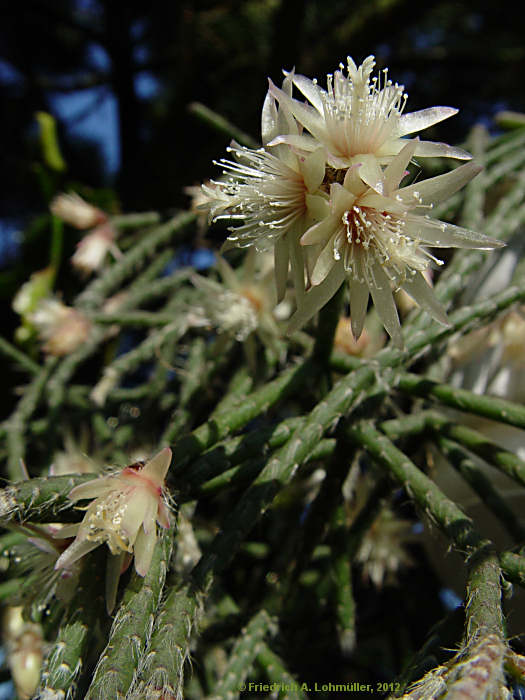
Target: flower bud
[{"x": 76, "y": 212}]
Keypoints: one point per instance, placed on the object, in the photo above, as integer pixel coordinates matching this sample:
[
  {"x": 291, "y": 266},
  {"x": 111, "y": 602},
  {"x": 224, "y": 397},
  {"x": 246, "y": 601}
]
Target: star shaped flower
[
  {"x": 374, "y": 234},
  {"x": 358, "y": 114},
  {"x": 264, "y": 192},
  {"x": 123, "y": 515}
]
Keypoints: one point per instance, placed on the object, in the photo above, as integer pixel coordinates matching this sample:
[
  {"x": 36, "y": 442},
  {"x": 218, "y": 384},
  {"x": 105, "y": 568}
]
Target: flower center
[{"x": 369, "y": 236}]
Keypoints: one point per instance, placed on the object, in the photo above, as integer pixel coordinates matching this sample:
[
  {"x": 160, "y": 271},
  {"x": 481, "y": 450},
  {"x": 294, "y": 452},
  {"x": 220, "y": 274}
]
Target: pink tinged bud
[
  {"x": 62, "y": 328},
  {"x": 92, "y": 250},
  {"x": 76, "y": 212}
]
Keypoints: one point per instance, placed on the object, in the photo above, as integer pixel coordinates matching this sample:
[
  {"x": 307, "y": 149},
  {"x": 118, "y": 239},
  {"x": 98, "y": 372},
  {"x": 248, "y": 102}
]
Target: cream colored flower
[
  {"x": 264, "y": 191},
  {"x": 92, "y": 250},
  {"x": 374, "y": 233},
  {"x": 242, "y": 304},
  {"x": 76, "y": 212},
  {"x": 358, "y": 115},
  {"x": 62, "y": 328},
  {"x": 124, "y": 513}
]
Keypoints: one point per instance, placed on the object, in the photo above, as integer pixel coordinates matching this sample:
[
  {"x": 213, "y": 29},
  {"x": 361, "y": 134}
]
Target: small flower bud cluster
[
  {"x": 93, "y": 248},
  {"x": 62, "y": 328}
]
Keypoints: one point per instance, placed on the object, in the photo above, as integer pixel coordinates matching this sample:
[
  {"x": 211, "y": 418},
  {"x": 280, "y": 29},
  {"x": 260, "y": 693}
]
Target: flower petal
[
  {"x": 65, "y": 532},
  {"x": 437, "y": 189},
  {"x": 268, "y": 119},
  {"x": 163, "y": 514},
  {"x": 384, "y": 303},
  {"x": 311, "y": 91},
  {"x": 281, "y": 262},
  {"x": 144, "y": 548},
  {"x": 421, "y": 292},
  {"x": 297, "y": 265},
  {"x": 320, "y": 232},
  {"x": 317, "y": 207},
  {"x": 341, "y": 199},
  {"x": 432, "y": 149},
  {"x": 359, "y": 294},
  {"x": 371, "y": 173},
  {"x": 422, "y": 119},
  {"x": 91, "y": 489},
  {"x": 77, "y": 549},
  {"x": 324, "y": 263},
  {"x": 227, "y": 274},
  {"x": 316, "y": 298},
  {"x": 313, "y": 169},
  {"x": 442, "y": 235},
  {"x": 396, "y": 170},
  {"x": 304, "y": 113},
  {"x": 302, "y": 141},
  {"x": 157, "y": 468}
]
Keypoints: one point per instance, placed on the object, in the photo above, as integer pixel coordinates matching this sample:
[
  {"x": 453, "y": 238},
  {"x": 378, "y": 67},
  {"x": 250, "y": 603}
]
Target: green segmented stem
[
  {"x": 221, "y": 425},
  {"x": 131, "y": 628},
  {"x": 423, "y": 490},
  {"x": 487, "y": 406},
  {"x": 474, "y": 193},
  {"x": 277, "y": 472},
  {"x": 505, "y": 144},
  {"x": 227, "y": 454},
  {"x": 76, "y": 634},
  {"x": 145, "y": 289},
  {"x": 130, "y": 361},
  {"x": 329, "y": 496},
  {"x": 221, "y": 124},
  {"x": 513, "y": 566},
  {"x": 445, "y": 513},
  {"x": 473, "y": 440},
  {"x": 160, "y": 673},
  {"x": 237, "y": 391},
  {"x": 242, "y": 657},
  {"x": 345, "y": 607},
  {"x": 19, "y": 357},
  {"x": 143, "y": 218},
  {"x": 276, "y": 672},
  {"x": 57, "y": 385},
  {"x": 482, "y": 485},
  {"x": 242, "y": 474},
  {"x": 195, "y": 370},
  {"x": 15, "y": 426},
  {"x": 483, "y": 612},
  {"x": 41, "y": 500},
  {"x": 136, "y": 319}
]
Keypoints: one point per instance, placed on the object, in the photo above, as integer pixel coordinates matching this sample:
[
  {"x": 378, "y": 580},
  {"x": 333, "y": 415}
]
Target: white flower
[
  {"x": 242, "y": 304},
  {"x": 359, "y": 115},
  {"x": 93, "y": 248},
  {"x": 373, "y": 234},
  {"x": 76, "y": 212},
  {"x": 265, "y": 191},
  {"x": 62, "y": 328},
  {"x": 124, "y": 513}
]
